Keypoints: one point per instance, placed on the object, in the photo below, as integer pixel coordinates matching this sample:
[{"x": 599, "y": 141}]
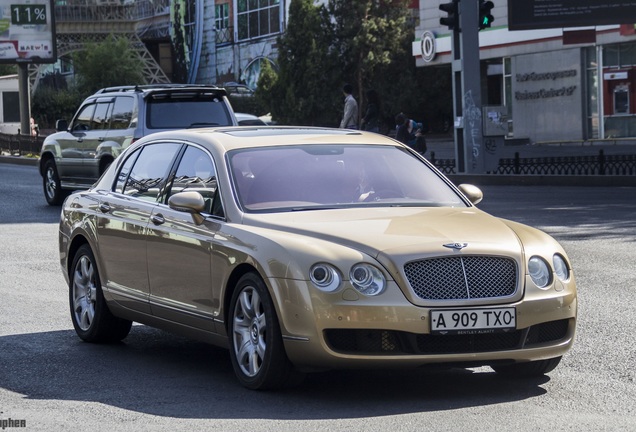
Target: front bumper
[{"x": 346, "y": 329}]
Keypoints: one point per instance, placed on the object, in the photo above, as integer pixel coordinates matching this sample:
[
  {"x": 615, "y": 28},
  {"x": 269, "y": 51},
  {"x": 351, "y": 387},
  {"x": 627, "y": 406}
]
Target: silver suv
[{"x": 113, "y": 118}]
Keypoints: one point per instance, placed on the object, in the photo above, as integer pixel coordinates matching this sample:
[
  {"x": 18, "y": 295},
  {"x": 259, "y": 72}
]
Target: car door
[
  {"x": 179, "y": 250},
  {"x": 121, "y": 228},
  {"x": 70, "y": 155}
]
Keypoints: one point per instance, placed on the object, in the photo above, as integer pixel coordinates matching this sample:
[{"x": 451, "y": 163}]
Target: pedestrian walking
[
  {"x": 350, "y": 117},
  {"x": 371, "y": 119}
]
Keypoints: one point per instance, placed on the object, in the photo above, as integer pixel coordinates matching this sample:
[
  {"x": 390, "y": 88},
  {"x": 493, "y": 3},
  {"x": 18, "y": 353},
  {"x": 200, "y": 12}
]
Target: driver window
[
  {"x": 83, "y": 119},
  {"x": 196, "y": 173}
]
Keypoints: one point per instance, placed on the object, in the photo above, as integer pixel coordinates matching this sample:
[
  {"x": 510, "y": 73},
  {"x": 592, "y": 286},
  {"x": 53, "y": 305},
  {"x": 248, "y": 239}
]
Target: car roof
[{"x": 235, "y": 137}]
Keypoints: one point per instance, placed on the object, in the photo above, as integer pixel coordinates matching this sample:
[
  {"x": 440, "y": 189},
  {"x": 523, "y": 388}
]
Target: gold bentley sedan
[{"x": 305, "y": 249}]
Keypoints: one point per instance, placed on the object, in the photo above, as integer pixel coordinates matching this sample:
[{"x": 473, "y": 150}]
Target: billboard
[
  {"x": 27, "y": 31},
  {"x": 540, "y": 14}
]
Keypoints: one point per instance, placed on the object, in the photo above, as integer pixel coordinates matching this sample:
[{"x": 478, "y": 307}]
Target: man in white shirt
[{"x": 350, "y": 117}]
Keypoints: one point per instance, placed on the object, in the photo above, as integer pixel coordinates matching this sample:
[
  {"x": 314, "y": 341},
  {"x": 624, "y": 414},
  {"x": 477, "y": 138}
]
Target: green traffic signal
[{"x": 485, "y": 17}]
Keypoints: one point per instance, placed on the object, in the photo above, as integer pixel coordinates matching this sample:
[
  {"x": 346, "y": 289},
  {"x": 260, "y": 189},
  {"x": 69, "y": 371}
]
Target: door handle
[
  {"x": 104, "y": 207},
  {"x": 157, "y": 219}
]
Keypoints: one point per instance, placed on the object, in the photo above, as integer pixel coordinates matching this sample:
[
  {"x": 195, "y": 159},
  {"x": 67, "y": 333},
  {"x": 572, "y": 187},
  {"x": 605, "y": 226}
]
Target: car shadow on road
[{"x": 160, "y": 374}]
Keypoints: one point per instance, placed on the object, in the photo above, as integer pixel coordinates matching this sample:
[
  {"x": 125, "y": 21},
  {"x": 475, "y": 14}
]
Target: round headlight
[
  {"x": 325, "y": 277},
  {"x": 539, "y": 271},
  {"x": 560, "y": 267},
  {"x": 367, "y": 279}
]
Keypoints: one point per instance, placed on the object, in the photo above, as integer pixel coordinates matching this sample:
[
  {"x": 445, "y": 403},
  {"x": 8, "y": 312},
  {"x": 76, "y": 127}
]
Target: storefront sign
[{"x": 545, "y": 93}]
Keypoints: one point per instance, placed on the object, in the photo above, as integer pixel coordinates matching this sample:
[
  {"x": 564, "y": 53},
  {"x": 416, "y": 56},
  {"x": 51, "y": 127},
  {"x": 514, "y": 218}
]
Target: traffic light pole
[{"x": 469, "y": 151}]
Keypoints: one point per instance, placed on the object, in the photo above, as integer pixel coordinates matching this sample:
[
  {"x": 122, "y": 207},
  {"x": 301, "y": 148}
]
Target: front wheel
[
  {"x": 51, "y": 183},
  {"x": 256, "y": 345},
  {"x": 91, "y": 317},
  {"x": 529, "y": 369}
]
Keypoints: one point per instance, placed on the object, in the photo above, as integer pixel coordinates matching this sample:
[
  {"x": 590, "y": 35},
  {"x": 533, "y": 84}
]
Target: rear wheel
[
  {"x": 51, "y": 183},
  {"x": 91, "y": 317},
  {"x": 528, "y": 369},
  {"x": 256, "y": 345}
]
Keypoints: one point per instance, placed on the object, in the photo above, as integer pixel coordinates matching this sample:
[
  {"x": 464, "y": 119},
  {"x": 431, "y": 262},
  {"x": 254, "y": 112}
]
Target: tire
[
  {"x": 91, "y": 317},
  {"x": 256, "y": 345},
  {"x": 51, "y": 184},
  {"x": 528, "y": 369}
]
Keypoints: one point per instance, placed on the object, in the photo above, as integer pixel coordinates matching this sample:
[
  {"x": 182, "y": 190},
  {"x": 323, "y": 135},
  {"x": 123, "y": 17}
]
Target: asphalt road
[{"x": 155, "y": 381}]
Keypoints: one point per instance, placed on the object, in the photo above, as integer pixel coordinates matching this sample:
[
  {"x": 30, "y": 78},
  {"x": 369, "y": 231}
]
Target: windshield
[{"x": 311, "y": 177}]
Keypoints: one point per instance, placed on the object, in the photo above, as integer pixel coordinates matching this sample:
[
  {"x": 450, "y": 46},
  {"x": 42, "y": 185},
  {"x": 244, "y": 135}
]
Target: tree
[
  {"x": 8, "y": 69},
  {"x": 369, "y": 34},
  {"x": 109, "y": 63},
  {"x": 306, "y": 77}
]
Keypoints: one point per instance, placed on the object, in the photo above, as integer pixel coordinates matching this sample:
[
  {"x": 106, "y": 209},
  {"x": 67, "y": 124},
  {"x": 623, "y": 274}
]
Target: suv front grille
[{"x": 462, "y": 278}]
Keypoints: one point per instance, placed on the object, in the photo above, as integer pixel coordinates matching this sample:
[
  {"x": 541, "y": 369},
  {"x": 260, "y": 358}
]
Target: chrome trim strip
[{"x": 296, "y": 338}]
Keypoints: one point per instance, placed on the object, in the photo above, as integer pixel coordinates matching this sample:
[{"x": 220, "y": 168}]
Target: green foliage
[
  {"x": 112, "y": 62},
  {"x": 180, "y": 63},
  {"x": 307, "y": 77},
  {"x": 8, "y": 69},
  {"x": 366, "y": 43},
  {"x": 266, "y": 82},
  {"x": 49, "y": 104}
]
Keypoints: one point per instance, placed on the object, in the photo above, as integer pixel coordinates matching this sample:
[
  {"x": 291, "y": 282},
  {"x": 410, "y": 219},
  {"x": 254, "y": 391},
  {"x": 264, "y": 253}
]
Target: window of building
[
  {"x": 256, "y": 18},
  {"x": 222, "y": 23}
]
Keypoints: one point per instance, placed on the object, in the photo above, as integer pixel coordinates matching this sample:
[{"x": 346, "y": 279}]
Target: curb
[{"x": 18, "y": 160}]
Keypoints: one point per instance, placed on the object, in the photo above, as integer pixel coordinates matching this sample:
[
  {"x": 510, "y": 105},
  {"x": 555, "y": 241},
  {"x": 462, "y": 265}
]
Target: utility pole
[{"x": 464, "y": 19}]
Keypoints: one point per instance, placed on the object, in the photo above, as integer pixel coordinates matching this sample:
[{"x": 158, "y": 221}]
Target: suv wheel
[{"x": 51, "y": 183}]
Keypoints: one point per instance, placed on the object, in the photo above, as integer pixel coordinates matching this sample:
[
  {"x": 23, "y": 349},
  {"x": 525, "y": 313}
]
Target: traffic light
[
  {"x": 452, "y": 19},
  {"x": 485, "y": 17}
]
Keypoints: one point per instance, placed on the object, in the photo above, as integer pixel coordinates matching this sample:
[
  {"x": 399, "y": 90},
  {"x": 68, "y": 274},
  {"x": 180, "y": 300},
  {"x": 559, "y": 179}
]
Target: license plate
[{"x": 473, "y": 321}]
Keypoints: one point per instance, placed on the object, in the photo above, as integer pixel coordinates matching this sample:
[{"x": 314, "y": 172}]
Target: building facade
[
  {"x": 557, "y": 84},
  {"x": 238, "y": 35}
]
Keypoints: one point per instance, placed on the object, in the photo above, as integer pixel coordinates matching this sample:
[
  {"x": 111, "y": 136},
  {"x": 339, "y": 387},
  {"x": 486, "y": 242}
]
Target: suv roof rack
[{"x": 140, "y": 88}]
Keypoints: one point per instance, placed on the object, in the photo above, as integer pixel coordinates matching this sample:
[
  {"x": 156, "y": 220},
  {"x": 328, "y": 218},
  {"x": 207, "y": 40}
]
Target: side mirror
[
  {"x": 473, "y": 193},
  {"x": 189, "y": 202},
  {"x": 61, "y": 125}
]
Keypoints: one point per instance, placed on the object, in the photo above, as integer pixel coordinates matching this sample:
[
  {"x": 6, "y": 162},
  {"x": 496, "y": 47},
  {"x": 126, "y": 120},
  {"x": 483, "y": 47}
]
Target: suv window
[
  {"x": 83, "y": 119},
  {"x": 100, "y": 118},
  {"x": 122, "y": 113},
  {"x": 176, "y": 113}
]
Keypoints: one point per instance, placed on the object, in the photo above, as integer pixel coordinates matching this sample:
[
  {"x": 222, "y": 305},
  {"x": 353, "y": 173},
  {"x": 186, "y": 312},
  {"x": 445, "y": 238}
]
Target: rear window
[{"x": 180, "y": 111}]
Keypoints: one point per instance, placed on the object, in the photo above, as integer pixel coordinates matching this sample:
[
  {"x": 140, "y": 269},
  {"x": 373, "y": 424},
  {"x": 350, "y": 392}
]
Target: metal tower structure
[{"x": 81, "y": 22}]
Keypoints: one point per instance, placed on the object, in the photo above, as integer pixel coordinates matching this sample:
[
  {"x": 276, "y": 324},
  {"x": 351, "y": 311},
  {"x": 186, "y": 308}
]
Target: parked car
[
  {"x": 238, "y": 90},
  {"x": 249, "y": 120},
  {"x": 304, "y": 249},
  {"x": 112, "y": 118}
]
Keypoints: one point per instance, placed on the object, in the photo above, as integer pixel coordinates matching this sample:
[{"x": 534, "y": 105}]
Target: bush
[{"x": 49, "y": 105}]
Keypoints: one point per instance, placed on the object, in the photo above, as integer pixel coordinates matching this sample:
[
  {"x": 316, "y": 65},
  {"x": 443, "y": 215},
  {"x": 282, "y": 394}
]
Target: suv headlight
[
  {"x": 539, "y": 271},
  {"x": 367, "y": 279}
]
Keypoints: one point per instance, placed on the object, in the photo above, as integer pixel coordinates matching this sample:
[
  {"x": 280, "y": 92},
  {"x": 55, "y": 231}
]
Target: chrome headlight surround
[
  {"x": 367, "y": 279},
  {"x": 325, "y": 277},
  {"x": 539, "y": 271},
  {"x": 561, "y": 268}
]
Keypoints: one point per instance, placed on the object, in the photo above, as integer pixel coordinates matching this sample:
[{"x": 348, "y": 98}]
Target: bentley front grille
[{"x": 462, "y": 278}]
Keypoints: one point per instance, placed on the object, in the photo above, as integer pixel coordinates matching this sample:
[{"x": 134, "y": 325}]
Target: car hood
[{"x": 401, "y": 233}]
